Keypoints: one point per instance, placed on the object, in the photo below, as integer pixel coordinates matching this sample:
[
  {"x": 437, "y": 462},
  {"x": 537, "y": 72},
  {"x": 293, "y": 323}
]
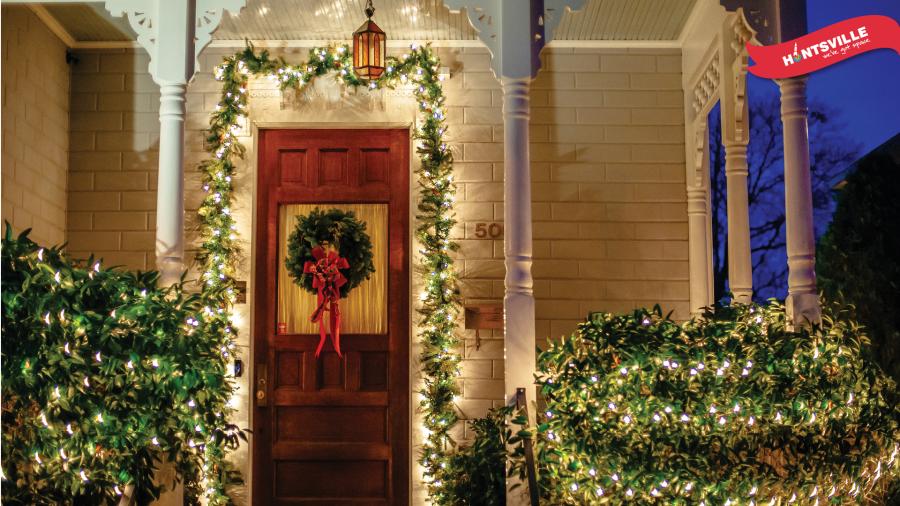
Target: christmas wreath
[{"x": 329, "y": 254}]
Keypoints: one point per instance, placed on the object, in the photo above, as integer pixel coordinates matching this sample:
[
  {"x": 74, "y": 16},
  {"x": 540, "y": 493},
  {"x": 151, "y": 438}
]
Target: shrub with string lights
[
  {"x": 730, "y": 408},
  {"x": 104, "y": 374},
  {"x": 420, "y": 69}
]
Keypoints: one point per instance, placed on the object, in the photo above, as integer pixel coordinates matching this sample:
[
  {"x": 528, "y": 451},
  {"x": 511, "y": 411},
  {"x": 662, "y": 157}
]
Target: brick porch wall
[
  {"x": 609, "y": 204},
  {"x": 35, "y": 126},
  {"x": 610, "y": 218}
]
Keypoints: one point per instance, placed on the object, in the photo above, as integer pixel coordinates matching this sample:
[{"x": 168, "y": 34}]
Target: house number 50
[{"x": 488, "y": 230}]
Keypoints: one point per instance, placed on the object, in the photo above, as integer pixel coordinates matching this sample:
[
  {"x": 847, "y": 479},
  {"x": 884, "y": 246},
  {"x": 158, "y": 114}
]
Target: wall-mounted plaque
[
  {"x": 241, "y": 287},
  {"x": 483, "y": 316}
]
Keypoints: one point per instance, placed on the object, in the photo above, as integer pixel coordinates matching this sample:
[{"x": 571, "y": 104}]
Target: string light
[
  {"x": 582, "y": 374},
  {"x": 220, "y": 249}
]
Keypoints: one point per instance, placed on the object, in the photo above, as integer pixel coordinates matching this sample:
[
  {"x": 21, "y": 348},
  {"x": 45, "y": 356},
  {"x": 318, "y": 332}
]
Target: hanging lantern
[{"x": 369, "y": 43}]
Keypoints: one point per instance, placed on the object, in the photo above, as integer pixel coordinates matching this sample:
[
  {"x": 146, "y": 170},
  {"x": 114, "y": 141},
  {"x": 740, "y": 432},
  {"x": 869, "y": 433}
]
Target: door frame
[{"x": 252, "y": 161}]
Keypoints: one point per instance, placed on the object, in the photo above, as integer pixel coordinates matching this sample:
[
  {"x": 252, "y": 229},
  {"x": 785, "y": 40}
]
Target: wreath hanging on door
[{"x": 329, "y": 254}]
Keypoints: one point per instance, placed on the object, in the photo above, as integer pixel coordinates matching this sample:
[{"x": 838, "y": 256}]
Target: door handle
[{"x": 261, "y": 387}]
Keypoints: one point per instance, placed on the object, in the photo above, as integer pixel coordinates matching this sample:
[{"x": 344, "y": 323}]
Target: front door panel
[{"x": 329, "y": 430}]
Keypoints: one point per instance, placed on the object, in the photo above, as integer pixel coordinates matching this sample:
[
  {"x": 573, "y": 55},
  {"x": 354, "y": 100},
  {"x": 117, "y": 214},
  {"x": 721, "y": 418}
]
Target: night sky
[
  {"x": 862, "y": 95},
  {"x": 863, "y": 88}
]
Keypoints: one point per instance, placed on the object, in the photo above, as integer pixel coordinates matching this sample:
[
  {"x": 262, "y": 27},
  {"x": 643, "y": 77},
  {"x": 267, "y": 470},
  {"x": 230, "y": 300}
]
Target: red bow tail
[
  {"x": 336, "y": 326},
  {"x": 327, "y": 279}
]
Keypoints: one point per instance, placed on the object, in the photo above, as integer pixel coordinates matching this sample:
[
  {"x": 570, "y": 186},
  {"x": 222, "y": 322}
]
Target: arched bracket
[
  {"x": 741, "y": 33},
  {"x": 513, "y": 34},
  {"x": 773, "y": 21},
  {"x": 173, "y": 32}
]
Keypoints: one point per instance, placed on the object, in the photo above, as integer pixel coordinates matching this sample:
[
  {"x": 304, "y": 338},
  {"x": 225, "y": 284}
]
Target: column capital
[
  {"x": 513, "y": 33},
  {"x": 173, "y": 32},
  {"x": 793, "y": 97}
]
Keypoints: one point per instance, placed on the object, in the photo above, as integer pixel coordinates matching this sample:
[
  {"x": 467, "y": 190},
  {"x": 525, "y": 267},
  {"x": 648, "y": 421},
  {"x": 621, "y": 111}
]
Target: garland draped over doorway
[{"x": 220, "y": 250}]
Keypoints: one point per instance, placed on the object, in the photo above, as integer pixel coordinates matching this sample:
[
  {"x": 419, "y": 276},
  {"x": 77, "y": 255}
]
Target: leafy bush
[
  {"x": 859, "y": 255},
  {"x": 476, "y": 474},
  {"x": 104, "y": 373},
  {"x": 731, "y": 406}
]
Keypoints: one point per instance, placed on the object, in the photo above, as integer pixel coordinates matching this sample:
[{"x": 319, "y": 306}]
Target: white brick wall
[
  {"x": 610, "y": 229},
  {"x": 610, "y": 218},
  {"x": 35, "y": 81},
  {"x": 114, "y": 137}
]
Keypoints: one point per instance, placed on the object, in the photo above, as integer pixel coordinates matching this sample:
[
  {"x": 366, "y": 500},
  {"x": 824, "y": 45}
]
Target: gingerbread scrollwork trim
[{"x": 707, "y": 84}]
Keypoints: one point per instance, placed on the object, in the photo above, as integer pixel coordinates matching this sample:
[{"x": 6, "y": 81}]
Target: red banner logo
[{"x": 825, "y": 47}]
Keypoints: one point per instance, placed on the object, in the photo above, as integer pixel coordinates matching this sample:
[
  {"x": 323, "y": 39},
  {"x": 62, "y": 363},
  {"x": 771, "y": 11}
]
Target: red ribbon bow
[{"x": 328, "y": 280}]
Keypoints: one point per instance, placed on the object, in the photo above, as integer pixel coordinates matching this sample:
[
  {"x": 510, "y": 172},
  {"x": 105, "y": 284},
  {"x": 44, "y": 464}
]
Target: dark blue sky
[{"x": 863, "y": 88}]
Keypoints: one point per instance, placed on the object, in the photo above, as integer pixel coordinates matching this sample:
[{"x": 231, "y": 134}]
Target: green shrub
[
  {"x": 858, "y": 258},
  {"x": 104, "y": 373},
  {"x": 476, "y": 474},
  {"x": 728, "y": 407}
]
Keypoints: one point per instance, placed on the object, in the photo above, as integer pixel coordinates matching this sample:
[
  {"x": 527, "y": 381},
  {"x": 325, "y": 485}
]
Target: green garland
[
  {"x": 439, "y": 300},
  {"x": 731, "y": 408},
  {"x": 339, "y": 228},
  {"x": 104, "y": 374}
]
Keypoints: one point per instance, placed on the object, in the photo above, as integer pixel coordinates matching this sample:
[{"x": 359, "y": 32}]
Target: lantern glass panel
[{"x": 369, "y": 44}]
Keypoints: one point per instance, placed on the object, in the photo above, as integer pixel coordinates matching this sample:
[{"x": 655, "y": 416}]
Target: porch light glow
[{"x": 369, "y": 44}]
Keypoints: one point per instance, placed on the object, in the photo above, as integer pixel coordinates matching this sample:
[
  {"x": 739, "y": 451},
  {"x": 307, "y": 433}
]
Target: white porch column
[
  {"x": 173, "y": 32},
  {"x": 518, "y": 302},
  {"x": 735, "y": 136},
  {"x": 172, "y": 76},
  {"x": 514, "y": 32},
  {"x": 170, "y": 183},
  {"x": 699, "y": 229},
  {"x": 740, "y": 270},
  {"x": 698, "y": 253},
  {"x": 802, "y": 301}
]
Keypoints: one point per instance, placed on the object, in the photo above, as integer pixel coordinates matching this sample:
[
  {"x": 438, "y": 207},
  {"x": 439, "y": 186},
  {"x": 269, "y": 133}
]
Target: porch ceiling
[{"x": 88, "y": 24}]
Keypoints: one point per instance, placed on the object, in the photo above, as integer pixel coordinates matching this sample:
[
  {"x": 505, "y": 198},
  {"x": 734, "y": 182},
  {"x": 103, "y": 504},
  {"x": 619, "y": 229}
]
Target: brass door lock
[{"x": 261, "y": 375}]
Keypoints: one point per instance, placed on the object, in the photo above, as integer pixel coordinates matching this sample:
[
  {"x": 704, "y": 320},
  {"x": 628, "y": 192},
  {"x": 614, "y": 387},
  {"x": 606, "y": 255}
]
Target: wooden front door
[{"x": 331, "y": 430}]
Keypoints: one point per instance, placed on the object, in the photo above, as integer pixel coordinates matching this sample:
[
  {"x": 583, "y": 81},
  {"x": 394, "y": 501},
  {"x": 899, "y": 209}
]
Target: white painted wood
[
  {"x": 405, "y": 43},
  {"x": 601, "y": 20},
  {"x": 519, "y": 297},
  {"x": 700, "y": 77},
  {"x": 173, "y": 32},
  {"x": 735, "y": 136},
  {"x": 740, "y": 272},
  {"x": 42, "y": 1},
  {"x": 102, "y": 44},
  {"x": 515, "y": 34},
  {"x": 518, "y": 302},
  {"x": 699, "y": 244},
  {"x": 170, "y": 183},
  {"x": 54, "y": 25},
  {"x": 802, "y": 301}
]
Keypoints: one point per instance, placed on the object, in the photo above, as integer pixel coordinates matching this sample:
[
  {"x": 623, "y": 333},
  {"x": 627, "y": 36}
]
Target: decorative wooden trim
[
  {"x": 106, "y": 44},
  {"x": 741, "y": 34},
  {"x": 395, "y": 44},
  {"x": 147, "y": 19},
  {"x": 692, "y": 20},
  {"x": 513, "y": 34},
  {"x": 706, "y": 85},
  {"x": 402, "y": 43},
  {"x": 44, "y": 15},
  {"x": 701, "y": 132}
]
